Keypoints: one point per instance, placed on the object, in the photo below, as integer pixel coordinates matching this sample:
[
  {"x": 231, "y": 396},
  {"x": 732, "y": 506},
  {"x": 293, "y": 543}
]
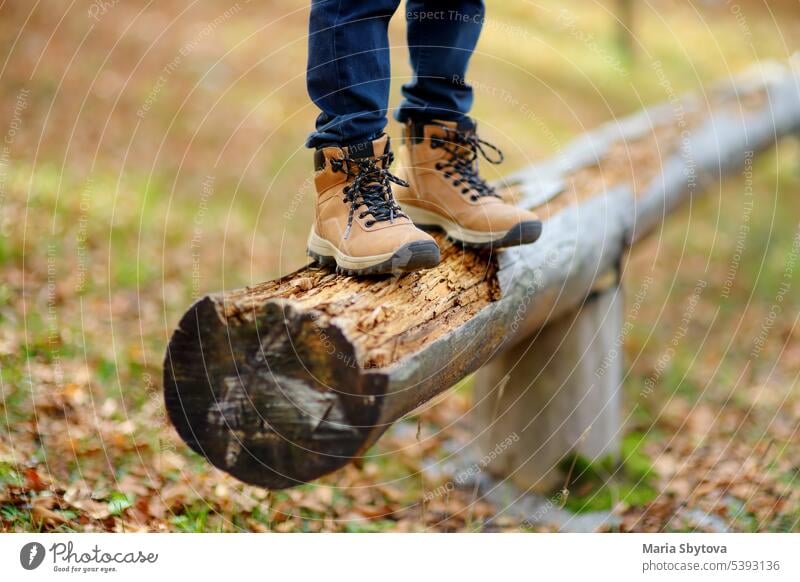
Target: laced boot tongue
[
  {"x": 465, "y": 147},
  {"x": 369, "y": 190},
  {"x": 456, "y": 135},
  {"x": 377, "y": 148},
  {"x": 368, "y": 158}
]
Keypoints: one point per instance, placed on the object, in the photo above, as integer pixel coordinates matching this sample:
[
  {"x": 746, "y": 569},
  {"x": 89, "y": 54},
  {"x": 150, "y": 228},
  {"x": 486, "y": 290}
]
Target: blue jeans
[{"x": 348, "y": 64}]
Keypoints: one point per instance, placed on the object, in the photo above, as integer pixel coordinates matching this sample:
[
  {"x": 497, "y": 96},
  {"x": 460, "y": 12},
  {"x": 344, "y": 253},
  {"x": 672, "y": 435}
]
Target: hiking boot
[
  {"x": 439, "y": 160},
  {"x": 358, "y": 225}
]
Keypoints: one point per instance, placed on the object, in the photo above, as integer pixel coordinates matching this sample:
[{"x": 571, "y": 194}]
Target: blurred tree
[{"x": 625, "y": 30}]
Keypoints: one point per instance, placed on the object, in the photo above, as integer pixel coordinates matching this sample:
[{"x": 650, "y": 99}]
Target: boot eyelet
[
  {"x": 362, "y": 215},
  {"x": 369, "y": 223},
  {"x": 438, "y": 166},
  {"x": 473, "y": 197}
]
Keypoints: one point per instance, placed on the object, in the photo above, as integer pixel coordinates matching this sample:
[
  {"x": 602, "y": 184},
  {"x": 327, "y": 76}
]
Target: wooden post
[{"x": 556, "y": 392}]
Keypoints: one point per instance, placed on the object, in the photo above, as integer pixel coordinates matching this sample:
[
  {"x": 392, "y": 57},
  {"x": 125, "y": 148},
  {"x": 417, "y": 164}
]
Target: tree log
[{"x": 288, "y": 380}]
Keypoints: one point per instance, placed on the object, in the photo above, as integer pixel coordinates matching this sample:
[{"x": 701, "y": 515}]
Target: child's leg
[
  {"x": 348, "y": 68},
  {"x": 439, "y": 157},
  {"x": 358, "y": 225},
  {"x": 441, "y": 37}
]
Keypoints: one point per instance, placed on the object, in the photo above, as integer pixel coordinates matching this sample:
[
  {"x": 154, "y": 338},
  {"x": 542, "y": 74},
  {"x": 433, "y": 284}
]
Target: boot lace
[
  {"x": 464, "y": 148},
  {"x": 371, "y": 188}
]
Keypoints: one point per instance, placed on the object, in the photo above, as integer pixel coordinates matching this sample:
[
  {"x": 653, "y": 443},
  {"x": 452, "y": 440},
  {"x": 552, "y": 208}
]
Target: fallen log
[{"x": 288, "y": 380}]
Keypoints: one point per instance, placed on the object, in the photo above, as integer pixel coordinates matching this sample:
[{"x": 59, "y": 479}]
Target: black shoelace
[
  {"x": 371, "y": 188},
  {"x": 462, "y": 164}
]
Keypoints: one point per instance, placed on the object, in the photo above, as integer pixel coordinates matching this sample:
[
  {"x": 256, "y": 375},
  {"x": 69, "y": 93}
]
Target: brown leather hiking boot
[
  {"x": 358, "y": 225},
  {"x": 439, "y": 160}
]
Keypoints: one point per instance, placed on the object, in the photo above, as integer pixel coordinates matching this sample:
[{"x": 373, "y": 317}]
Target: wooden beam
[{"x": 290, "y": 379}]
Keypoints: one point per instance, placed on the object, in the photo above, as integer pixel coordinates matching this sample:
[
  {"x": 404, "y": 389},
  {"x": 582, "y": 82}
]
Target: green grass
[
  {"x": 193, "y": 520},
  {"x": 599, "y": 485},
  {"x": 9, "y": 476}
]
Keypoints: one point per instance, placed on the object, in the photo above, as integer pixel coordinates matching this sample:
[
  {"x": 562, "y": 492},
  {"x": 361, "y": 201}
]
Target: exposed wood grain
[{"x": 385, "y": 318}]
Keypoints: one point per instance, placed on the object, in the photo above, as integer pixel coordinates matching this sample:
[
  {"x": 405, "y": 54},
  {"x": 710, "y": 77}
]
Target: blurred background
[{"x": 153, "y": 152}]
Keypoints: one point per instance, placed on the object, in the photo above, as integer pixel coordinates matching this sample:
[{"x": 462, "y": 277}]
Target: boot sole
[
  {"x": 522, "y": 233},
  {"x": 413, "y": 256}
]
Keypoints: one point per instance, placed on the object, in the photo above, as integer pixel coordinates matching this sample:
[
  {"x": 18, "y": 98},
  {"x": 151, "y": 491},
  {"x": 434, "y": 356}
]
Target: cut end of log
[{"x": 261, "y": 398}]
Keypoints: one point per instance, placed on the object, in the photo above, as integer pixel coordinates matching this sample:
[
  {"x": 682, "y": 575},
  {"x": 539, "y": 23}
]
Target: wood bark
[{"x": 287, "y": 380}]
